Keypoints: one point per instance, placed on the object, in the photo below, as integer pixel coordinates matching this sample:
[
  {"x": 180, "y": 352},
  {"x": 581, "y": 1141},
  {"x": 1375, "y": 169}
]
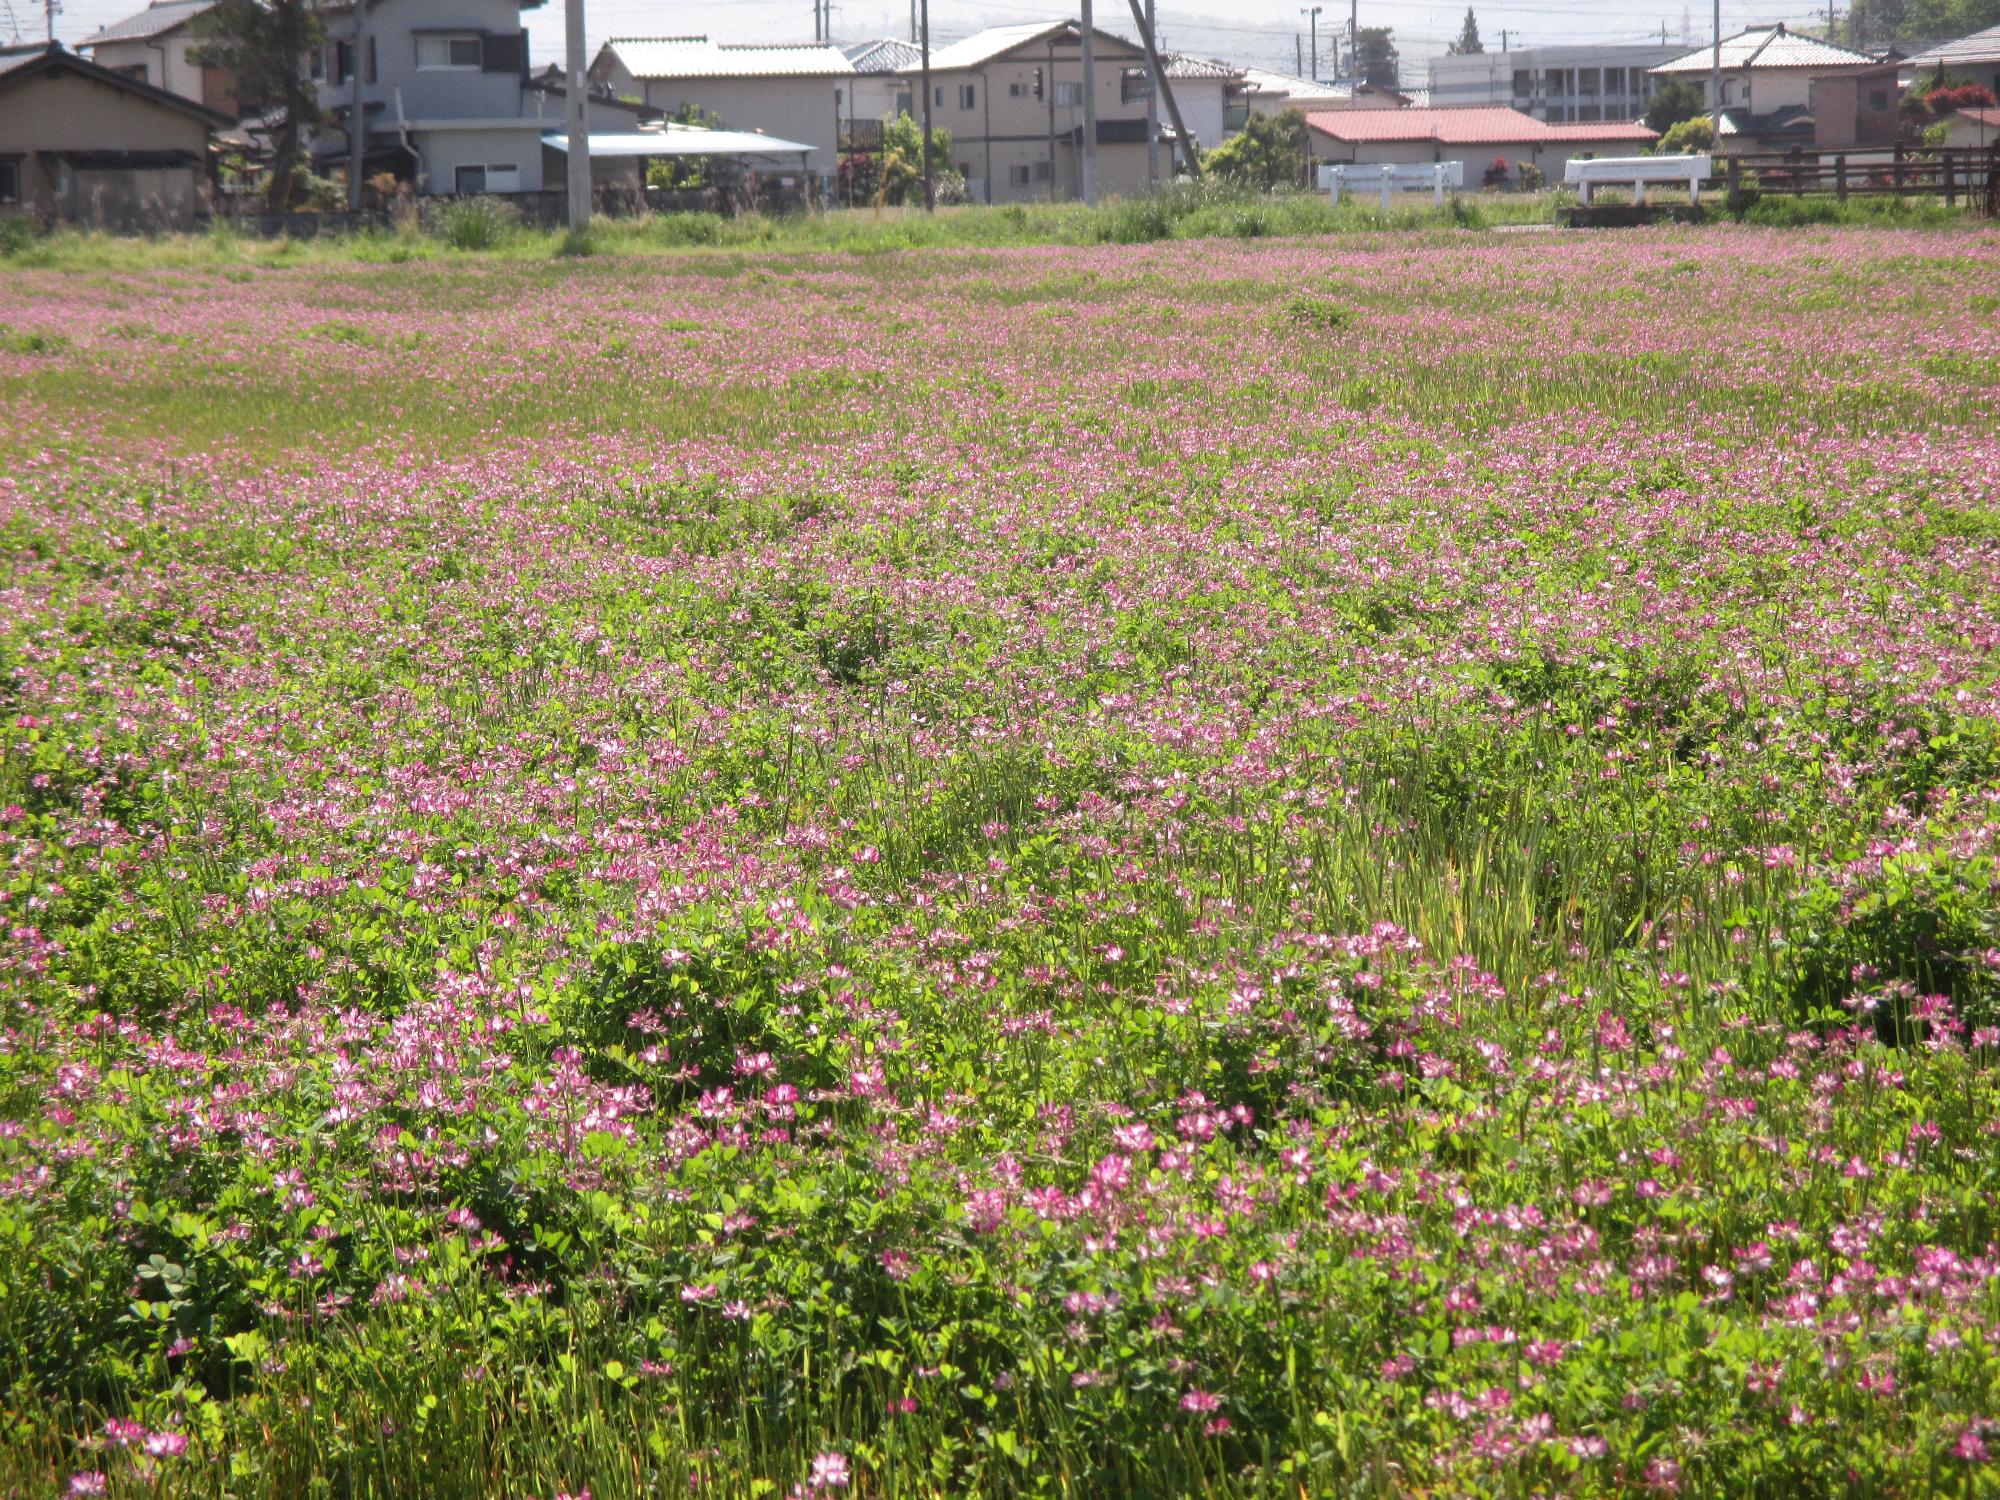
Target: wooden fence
[{"x": 1968, "y": 172}]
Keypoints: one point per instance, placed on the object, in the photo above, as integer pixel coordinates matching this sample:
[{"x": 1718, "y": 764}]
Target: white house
[
  {"x": 797, "y": 92},
  {"x": 881, "y": 87},
  {"x": 1211, "y": 96}
]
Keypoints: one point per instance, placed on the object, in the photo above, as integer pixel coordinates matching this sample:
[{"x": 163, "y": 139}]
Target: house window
[
  {"x": 495, "y": 178},
  {"x": 1135, "y": 86},
  {"x": 368, "y": 67},
  {"x": 1017, "y": 90},
  {"x": 903, "y": 102},
  {"x": 937, "y": 96},
  {"x": 316, "y": 64},
  {"x": 133, "y": 70},
  {"x": 1069, "y": 95},
  {"x": 966, "y": 96},
  {"x": 1878, "y": 100},
  {"x": 457, "y": 51},
  {"x": 341, "y": 69},
  {"x": 10, "y": 182},
  {"x": 1021, "y": 174},
  {"x": 1523, "y": 83}
]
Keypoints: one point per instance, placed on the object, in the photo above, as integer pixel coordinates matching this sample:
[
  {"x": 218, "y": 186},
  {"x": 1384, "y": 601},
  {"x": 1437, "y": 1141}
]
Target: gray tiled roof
[
  {"x": 1980, "y": 47},
  {"x": 1768, "y": 47},
  {"x": 887, "y": 54},
  {"x": 161, "y": 16}
]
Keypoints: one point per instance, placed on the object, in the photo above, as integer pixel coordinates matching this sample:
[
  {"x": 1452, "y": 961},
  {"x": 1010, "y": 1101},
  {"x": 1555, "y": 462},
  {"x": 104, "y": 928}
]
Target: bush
[
  {"x": 476, "y": 223},
  {"x": 1689, "y": 138},
  {"x": 16, "y": 234}
]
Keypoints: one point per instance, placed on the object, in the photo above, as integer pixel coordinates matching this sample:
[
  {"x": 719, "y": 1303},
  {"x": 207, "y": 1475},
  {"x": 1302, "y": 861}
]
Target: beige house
[
  {"x": 791, "y": 91},
  {"x": 1012, "y": 98},
  {"x": 154, "y": 46},
  {"x": 81, "y": 143}
]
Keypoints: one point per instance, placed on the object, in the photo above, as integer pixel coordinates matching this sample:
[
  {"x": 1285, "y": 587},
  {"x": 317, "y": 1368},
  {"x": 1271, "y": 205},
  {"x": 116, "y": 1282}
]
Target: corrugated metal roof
[
  {"x": 698, "y": 57},
  {"x": 887, "y": 54},
  {"x": 161, "y": 16},
  {"x": 683, "y": 141},
  {"x": 1471, "y": 125},
  {"x": 1767, "y": 47},
  {"x": 1980, "y": 47}
]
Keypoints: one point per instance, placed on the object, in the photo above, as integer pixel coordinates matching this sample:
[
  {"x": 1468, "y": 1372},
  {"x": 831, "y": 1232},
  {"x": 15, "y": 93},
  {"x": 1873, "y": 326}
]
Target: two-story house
[
  {"x": 1012, "y": 98},
  {"x": 1767, "y": 78}
]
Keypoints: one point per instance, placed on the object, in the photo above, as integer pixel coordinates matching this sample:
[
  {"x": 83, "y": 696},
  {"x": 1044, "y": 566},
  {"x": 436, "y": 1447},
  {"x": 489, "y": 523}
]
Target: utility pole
[
  {"x": 930, "y": 184},
  {"x": 1298, "y": 56},
  {"x": 1152, "y": 112},
  {"x": 579, "y": 129},
  {"x": 1089, "y": 105},
  {"x": 1311, "y": 13},
  {"x": 1715, "y": 86},
  {"x": 1166, "y": 89},
  {"x": 1504, "y": 34},
  {"x": 1354, "y": 38},
  {"x": 50, "y": 9},
  {"x": 357, "y": 120}
]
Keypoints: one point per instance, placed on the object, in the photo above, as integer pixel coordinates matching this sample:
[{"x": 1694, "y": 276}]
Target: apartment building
[{"x": 1556, "y": 85}]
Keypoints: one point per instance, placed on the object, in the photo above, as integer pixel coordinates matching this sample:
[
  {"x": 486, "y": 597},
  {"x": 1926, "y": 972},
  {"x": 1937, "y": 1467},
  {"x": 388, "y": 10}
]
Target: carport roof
[{"x": 683, "y": 142}]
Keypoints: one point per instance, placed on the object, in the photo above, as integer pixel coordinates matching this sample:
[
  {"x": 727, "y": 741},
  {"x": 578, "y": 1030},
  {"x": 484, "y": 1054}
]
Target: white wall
[{"x": 445, "y": 151}]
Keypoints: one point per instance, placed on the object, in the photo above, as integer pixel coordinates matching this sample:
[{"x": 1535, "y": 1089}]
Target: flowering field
[{"x": 1307, "y": 868}]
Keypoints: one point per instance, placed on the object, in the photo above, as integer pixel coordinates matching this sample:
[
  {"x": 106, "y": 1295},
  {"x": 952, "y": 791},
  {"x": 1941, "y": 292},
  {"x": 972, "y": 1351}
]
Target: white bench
[
  {"x": 1584, "y": 172},
  {"x": 1392, "y": 177}
]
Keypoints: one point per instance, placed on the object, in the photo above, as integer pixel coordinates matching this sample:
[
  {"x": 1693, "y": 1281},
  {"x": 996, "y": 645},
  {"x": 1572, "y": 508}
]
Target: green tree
[
  {"x": 262, "y": 45},
  {"x": 1690, "y": 137},
  {"x": 903, "y": 159},
  {"x": 1679, "y": 100},
  {"x": 1375, "y": 53},
  {"x": 1268, "y": 152},
  {"x": 685, "y": 171},
  {"x": 1467, "y": 42}
]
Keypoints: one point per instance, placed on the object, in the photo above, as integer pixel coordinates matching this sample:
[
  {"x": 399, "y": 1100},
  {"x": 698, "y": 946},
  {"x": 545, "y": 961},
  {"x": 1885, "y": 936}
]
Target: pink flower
[
  {"x": 165, "y": 1444},
  {"x": 829, "y": 1472},
  {"x": 90, "y": 1482},
  {"x": 1200, "y": 1401}
]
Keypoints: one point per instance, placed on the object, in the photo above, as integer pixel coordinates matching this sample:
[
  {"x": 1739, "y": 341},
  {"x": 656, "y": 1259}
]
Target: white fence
[
  {"x": 1392, "y": 177},
  {"x": 1586, "y": 172}
]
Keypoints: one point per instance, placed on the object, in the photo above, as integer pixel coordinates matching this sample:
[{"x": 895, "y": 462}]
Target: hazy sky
[{"x": 1245, "y": 31}]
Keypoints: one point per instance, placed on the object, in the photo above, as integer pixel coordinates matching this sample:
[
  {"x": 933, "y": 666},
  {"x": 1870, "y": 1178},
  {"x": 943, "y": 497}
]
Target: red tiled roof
[{"x": 1467, "y": 125}]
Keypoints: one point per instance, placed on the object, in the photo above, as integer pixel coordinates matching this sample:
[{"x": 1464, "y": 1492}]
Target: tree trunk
[{"x": 284, "y": 158}]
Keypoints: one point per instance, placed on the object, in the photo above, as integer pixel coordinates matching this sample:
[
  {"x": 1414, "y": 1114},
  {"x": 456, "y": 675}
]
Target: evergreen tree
[
  {"x": 1375, "y": 55},
  {"x": 1468, "y": 38},
  {"x": 263, "y": 45}
]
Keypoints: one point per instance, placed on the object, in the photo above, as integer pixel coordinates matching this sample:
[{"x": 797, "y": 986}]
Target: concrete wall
[
  {"x": 1201, "y": 101},
  {"x": 64, "y": 112}
]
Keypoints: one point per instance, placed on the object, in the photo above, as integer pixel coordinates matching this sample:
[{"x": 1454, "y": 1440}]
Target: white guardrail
[
  {"x": 1392, "y": 177},
  {"x": 1637, "y": 171}
]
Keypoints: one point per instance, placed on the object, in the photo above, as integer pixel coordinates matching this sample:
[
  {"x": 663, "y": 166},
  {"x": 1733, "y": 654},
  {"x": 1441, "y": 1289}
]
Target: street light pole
[
  {"x": 1312, "y": 13},
  {"x": 1089, "y": 105},
  {"x": 357, "y": 119}
]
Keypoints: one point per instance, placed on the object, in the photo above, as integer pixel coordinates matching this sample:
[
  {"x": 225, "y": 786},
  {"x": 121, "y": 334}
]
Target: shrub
[
  {"x": 17, "y": 234},
  {"x": 476, "y": 223}
]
